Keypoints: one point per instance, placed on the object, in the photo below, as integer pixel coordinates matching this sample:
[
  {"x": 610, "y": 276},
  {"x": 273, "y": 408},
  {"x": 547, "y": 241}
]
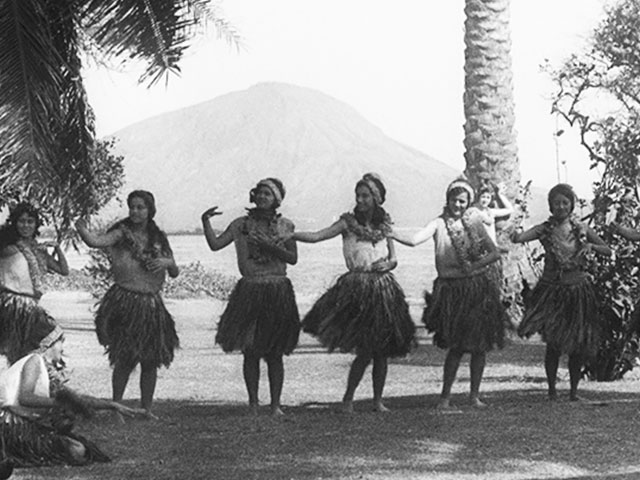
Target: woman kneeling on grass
[
  {"x": 261, "y": 319},
  {"x": 365, "y": 311},
  {"x": 37, "y": 410},
  {"x": 132, "y": 322},
  {"x": 464, "y": 312},
  {"x": 563, "y": 306}
]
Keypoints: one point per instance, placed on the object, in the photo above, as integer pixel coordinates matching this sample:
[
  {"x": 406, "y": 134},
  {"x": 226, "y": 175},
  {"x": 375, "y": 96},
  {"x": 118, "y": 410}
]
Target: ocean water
[{"x": 318, "y": 265}]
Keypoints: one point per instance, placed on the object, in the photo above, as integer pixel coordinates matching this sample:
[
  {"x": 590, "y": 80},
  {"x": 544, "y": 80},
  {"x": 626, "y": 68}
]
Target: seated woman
[{"x": 37, "y": 411}]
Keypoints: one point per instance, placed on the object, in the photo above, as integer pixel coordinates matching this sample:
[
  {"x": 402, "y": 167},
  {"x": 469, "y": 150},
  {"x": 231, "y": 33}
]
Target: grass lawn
[{"x": 205, "y": 433}]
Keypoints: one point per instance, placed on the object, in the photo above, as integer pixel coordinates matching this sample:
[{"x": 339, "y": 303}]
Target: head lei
[
  {"x": 375, "y": 185},
  {"x": 465, "y": 185},
  {"x": 275, "y": 185},
  {"x": 52, "y": 337}
]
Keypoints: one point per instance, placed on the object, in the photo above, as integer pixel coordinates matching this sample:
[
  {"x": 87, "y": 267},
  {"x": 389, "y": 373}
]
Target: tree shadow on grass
[{"x": 521, "y": 435}]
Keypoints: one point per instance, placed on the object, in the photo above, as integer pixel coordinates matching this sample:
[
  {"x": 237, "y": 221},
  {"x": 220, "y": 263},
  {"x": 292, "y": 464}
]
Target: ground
[{"x": 204, "y": 432}]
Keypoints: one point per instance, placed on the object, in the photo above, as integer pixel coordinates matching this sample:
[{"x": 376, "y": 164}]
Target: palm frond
[
  {"x": 30, "y": 80},
  {"x": 156, "y": 32}
]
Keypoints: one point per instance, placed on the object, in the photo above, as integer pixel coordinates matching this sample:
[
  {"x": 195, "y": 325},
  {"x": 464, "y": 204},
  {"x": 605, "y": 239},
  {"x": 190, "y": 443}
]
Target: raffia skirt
[
  {"x": 364, "y": 313},
  {"x": 42, "y": 440},
  {"x": 465, "y": 314},
  {"x": 18, "y": 314},
  {"x": 261, "y": 318},
  {"x": 566, "y": 315},
  {"x": 135, "y": 328}
]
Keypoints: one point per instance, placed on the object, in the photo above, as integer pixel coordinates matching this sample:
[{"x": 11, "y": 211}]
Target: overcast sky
[{"x": 399, "y": 64}]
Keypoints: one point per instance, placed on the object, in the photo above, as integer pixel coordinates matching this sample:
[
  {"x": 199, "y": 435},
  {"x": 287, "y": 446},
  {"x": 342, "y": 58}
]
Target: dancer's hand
[
  {"x": 381, "y": 265},
  {"x": 157, "y": 264},
  {"x": 259, "y": 238},
  {"x": 211, "y": 212}
]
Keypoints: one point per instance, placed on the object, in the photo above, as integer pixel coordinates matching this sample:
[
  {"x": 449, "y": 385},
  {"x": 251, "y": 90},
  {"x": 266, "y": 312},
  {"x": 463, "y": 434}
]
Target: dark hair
[
  {"x": 486, "y": 189},
  {"x": 37, "y": 331},
  {"x": 379, "y": 215},
  {"x": 154, "y": 234},
  {"x": 565, "y": 190},
  {"x": 262, "y": 183},
  {"x": 454, "y": 192},
  {"x": 9, "y": 231}
]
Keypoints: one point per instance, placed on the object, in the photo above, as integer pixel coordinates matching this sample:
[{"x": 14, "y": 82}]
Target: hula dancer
[
  {"x": 464, "y": 312},
  {"x": 261, "y": 319},
  {"x": 365, "y": 311},
  {"x": 132, "y": 322},
  {"x": 37, "y": 411},
  {"x": 563, "y": 306},
  {"x": 23, "y": 263},
  {"x": 488, "y": 212}
]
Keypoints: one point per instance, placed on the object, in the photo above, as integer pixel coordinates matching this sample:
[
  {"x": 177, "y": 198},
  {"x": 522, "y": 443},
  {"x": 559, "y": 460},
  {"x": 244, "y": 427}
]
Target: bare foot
[
  {"x": 379, "y": 407},
  {"x": 253, "y": 410},
  {"x": 573, "y": 397},
  {"x": 347, "y": 406},
  {"x": 276, "y": 411},
  {"x": 147, "y": 415},
  {"x": 477, "y": 403},
  {"x": 553, "y": 396},
  {"x": 444, "y": 405}
]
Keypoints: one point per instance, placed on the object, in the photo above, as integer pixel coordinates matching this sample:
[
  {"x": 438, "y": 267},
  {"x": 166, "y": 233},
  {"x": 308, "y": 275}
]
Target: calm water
[{"x": 318, "y": 264}]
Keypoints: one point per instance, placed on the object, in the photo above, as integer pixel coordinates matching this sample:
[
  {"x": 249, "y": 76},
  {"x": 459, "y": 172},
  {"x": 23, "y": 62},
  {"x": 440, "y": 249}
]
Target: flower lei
[
  {"x": 465, "y": 238},
  {"x": 367, "y": 233},
  {"x": 36, "y": 260},
  {"x": 255, "y": 221},
  {"x": 138, "y": 251},
  {"x": 565, "y": 260}
]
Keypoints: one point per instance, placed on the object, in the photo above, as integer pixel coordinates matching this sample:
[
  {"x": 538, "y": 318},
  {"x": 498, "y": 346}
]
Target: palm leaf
[{"x": 30, "y": 81}]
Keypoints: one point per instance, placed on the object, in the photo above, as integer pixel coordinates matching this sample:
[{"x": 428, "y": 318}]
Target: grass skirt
[
  {"x": 363, "y": 313},
  {"x": 567, "y": 317},
  {"x": 261, "y": 318},
  {"x": 465, "y": 314},
  {"x": 41, "y": 441},
  {"x": 135, "y": 328},
  {"x": 18, "y": 315}
]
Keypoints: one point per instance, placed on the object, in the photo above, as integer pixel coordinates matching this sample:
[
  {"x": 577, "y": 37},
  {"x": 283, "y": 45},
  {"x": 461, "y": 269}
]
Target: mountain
[{"x": 213, "y": 153}]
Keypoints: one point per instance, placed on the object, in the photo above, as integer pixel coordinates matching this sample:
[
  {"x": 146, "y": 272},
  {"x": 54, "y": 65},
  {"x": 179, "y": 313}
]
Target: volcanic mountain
[{"x": 214, "y": 152}]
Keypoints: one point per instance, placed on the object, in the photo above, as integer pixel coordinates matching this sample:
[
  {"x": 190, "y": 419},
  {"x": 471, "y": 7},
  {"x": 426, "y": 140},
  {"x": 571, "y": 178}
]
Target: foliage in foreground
[{"x": 609, "y": 76}]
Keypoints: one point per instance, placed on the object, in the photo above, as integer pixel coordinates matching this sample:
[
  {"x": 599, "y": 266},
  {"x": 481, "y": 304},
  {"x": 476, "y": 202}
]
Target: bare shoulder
[
  {"x": 287, "y": 224},
  {"x": 9, "y": 251}
]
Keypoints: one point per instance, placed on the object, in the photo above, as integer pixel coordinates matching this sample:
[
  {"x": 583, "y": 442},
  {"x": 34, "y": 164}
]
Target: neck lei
[
  {"x": 36, "y": 261},
  {"x": 367, "y": 233},
  {"x": 265, "y": 221},
  {"x": 465, "y": 238},
  {"x": 138, "y": 251},
  {"x": 565, "y": 259}
]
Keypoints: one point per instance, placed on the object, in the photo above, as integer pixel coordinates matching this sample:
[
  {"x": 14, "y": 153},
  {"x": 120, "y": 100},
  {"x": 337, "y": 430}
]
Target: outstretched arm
[
  {"x": 527, "y": 236},
  {"x": 626, "y": 232},
  {"x": 596, "y": 243},
  {"x": 326, "y": 233},
  {"x": 97, "y": 240},
  {"x": 420, "y": 237},
  {"x": 215, "y": 242}
]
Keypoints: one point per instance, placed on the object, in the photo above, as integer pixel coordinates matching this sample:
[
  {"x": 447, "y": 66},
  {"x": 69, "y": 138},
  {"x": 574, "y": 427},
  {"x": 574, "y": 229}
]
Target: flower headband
[
  {"x": 53, "y": 336},
  {"x": 464, "y": 185},
  {"x": 278, "y": 192}
]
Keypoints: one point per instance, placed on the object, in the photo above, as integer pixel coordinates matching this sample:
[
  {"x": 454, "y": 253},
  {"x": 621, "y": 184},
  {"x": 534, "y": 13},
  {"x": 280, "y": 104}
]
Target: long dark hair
[
  {"x": 379, "y": 215},
  {"x": 154, "y": 234},
  {"x": 9, "y": 231}
]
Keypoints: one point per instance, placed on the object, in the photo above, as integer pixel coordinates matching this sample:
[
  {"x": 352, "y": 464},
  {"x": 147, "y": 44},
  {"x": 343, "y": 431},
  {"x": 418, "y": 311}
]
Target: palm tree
[
  {"x": 47, "y": 136},
  {"x": 490, "y": 142}
]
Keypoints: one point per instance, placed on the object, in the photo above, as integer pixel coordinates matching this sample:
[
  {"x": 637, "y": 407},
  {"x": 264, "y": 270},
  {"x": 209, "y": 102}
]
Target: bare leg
[
  {"x": 356, "y": 372},
  {"x": 478, "y": 361},
  {"x": 551, "y": 362},
  {"x": 379, "y": 375},
  {"x": 276, "y": 380},
  {"x": 575, "y": 370},
  {"x": 148, "y": 379},
  {"x": 251, "y": 372},
  {"x": 119, "y": 379},
  {"x": 451, "y": 364}
]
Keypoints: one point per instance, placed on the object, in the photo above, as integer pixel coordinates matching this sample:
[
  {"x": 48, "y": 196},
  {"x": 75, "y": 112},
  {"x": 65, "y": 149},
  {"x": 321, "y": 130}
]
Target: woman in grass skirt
[
  {"x": 464, "y": 313},
  {"x": 132, "y": 322},
  {"x": 563, "y": 306},
  {"x": 261, "y": 319},
  {"x": 38, "y": 411},
  {"x": 23, "y": 263},
  {"x": 365, "y": 311}
]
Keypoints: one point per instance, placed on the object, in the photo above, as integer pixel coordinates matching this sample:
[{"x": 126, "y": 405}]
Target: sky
[{"x": 399, "y": 64}]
